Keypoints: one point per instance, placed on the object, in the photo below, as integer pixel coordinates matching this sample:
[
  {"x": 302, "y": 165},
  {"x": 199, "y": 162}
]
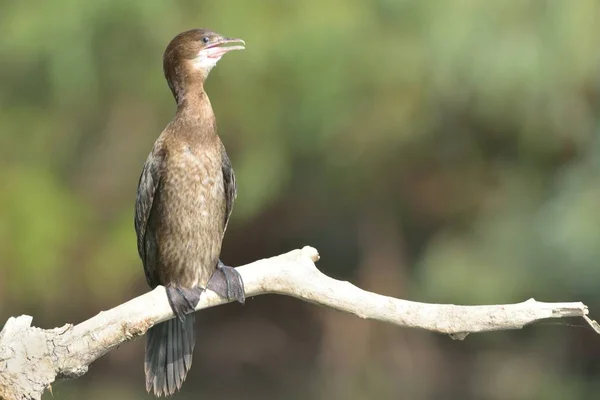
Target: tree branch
[{"x": 32, "y": 358}]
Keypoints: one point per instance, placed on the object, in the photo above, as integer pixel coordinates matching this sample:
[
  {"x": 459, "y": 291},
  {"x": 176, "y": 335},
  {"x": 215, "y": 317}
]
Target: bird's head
[{"x": 192, "y": 54}]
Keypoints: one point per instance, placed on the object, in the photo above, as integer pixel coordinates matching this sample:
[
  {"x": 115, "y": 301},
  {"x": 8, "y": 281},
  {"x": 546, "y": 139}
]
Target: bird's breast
[{"x": 191, "y": 216}]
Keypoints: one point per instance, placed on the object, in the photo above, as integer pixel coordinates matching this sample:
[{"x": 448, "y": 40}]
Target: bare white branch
[{"x": 32, "y": 358}]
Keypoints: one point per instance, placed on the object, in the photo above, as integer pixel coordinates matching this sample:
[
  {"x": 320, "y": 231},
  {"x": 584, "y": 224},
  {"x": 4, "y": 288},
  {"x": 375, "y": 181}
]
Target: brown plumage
[{"x": 184, "y": 200}]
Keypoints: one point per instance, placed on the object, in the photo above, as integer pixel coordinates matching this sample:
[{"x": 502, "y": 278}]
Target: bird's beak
[{"x": 222, "y": 46}]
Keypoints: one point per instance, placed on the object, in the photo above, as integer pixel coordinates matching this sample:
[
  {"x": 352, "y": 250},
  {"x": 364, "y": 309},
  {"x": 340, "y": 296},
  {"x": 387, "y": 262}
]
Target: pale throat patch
[{"x": 207, "y": 59}]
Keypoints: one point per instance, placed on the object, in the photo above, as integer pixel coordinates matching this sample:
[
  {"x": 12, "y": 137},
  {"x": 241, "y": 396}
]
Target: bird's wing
[
  {"x": 147, "y": 187},
  {"x": 230, "y": 186}
]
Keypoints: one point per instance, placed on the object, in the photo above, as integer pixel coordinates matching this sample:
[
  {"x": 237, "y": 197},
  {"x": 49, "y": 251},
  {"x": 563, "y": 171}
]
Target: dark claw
[
  {"x": 228, "y": 283},
  {"x": 183, "y": 301}
]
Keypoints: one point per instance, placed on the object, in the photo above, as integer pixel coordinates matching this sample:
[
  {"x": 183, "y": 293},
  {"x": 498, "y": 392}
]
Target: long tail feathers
[{"x": 169, "y": 348}]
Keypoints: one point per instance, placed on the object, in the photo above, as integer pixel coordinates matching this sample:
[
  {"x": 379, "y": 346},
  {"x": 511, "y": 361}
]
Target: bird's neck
[{"x": 194, "y": 108}]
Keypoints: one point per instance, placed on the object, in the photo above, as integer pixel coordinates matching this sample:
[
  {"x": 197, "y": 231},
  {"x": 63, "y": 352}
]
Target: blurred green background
[{"x": 440, "y": 151}]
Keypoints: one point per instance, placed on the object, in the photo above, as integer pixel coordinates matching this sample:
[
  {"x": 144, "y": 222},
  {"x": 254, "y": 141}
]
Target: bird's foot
[
  {"x": 183, "y": 301},
  {"x": 228, "y": 283}
]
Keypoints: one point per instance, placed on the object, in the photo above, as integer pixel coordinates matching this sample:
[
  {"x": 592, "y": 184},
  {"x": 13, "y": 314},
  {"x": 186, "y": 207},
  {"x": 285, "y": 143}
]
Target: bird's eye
[{"x": 205, "y": 39}]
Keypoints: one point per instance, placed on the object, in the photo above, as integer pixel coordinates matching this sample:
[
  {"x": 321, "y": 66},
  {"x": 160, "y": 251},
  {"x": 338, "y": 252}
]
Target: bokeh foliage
[{"x": 443, "y": 151}]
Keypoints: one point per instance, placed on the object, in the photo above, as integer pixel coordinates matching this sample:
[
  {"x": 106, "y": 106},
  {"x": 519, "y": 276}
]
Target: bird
[{"x": 184, "y": 199}]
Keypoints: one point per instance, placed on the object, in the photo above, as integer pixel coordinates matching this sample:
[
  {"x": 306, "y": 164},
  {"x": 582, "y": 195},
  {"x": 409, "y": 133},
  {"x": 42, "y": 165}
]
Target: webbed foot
[
  {"x": 183, "y": 301},
  {"x": 228, "y": 283}
]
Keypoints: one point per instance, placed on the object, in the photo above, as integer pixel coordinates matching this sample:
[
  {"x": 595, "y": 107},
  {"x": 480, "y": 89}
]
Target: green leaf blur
[{"x": 441, "y": 151}]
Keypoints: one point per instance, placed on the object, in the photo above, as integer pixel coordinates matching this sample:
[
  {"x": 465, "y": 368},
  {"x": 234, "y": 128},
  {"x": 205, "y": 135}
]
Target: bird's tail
[{"x": 169, "y": 348}]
